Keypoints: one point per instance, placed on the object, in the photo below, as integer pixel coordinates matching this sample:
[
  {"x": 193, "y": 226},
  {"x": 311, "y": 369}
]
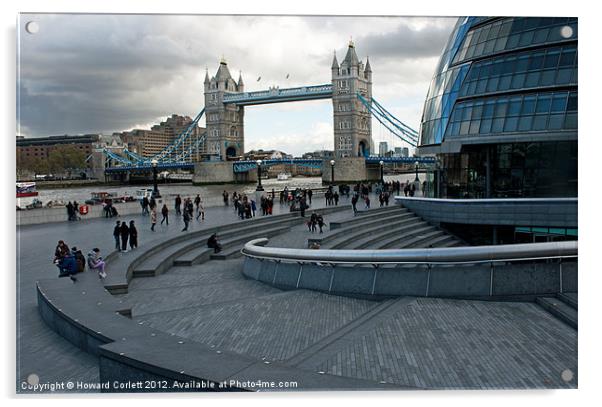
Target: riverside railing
[{"x": 473, "y": 271}]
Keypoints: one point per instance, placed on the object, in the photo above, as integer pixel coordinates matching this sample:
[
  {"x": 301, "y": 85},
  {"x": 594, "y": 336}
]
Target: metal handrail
[{"x": 429, "y": 256}]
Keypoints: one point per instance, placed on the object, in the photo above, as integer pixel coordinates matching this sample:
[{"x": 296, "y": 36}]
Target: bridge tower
[
  {"x": 352, "y": 121},
  {"x": 225, "y": 122}
]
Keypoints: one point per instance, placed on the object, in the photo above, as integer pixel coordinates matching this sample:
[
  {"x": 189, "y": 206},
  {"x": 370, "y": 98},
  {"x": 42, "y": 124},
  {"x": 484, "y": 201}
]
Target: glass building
[{"x": 501, "y": 111}]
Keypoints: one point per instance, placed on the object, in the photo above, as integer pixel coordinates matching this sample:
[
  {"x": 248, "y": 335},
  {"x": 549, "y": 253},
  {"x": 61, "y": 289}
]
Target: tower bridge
[{"x": 225, "y": 100}]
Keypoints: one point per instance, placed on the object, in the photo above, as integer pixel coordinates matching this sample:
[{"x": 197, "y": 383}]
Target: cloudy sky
[{"x": 104, "y": 73}]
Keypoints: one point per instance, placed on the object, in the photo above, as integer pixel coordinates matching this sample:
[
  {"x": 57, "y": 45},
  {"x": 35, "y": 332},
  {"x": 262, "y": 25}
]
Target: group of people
[
  {"x": 316, "y": 220},
  {"x": 185, "y": 208},
  {"x": 122, "y": 233},
  {"x": 73, "y": 211},
  {"x": 332, "y": 197},
  {"x": 108, "y": 208},
  {"x": 71, "y": 261}
]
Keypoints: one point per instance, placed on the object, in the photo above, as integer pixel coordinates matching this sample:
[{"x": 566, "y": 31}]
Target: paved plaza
[
  {"x": 423, "y": 343},
  {"x": 40, "y": 350}
]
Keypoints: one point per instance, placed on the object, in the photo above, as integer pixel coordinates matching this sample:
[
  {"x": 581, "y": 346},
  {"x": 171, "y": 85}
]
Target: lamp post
[
  {"x": 154, "y": 164},
  {"x": 382, "y": 172},
  {"x": 332, "y": 172},
  {"x": 259, "y": 186},
  {"x": 416, "y": 165}
]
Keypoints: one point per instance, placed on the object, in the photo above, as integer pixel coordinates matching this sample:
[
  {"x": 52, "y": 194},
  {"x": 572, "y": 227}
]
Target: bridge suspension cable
[
  {"x": 176, "y": 151},
  {"x": 394, "y": 125}
]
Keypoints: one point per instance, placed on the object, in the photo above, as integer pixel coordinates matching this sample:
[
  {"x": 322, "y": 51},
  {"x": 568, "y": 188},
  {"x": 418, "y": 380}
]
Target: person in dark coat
[
  {"x": 133, "y": 235},
  {"x": 178, "y": 205},
  {"x": 125, "y": 234},
  {"x": 213, "y": 243},
  {"x": 165, "y": 213},
  {"x": 79, "y": 259},
  {"x": 116, "y": 234}
]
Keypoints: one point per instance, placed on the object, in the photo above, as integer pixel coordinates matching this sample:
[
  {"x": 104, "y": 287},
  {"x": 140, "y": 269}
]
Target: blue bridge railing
[{"x": 275, "y": 95}]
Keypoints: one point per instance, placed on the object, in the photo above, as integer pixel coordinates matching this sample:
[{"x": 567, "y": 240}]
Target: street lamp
[
  {"x": 154, "y": 163},
  {"x": 259, "y": 186},
  {"x": 416, "y": 165},
  {"x": 332, "y": 171},
  {"x": 382, "y": 172}
]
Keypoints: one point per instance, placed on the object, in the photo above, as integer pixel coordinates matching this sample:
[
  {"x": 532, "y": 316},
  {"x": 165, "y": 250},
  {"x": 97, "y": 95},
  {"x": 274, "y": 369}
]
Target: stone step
[
  {"x": 432, "y": 241},
  {"x": 227, "y": 254},
  {"x": 204, "y": 253},
  {"x": 399, "y": 241},
  {"x": 365, "y": 216},
  {"x": 371, "y": 240},
  {"x": 559, "y": 309},
  {"x": 373, "y": 229},
  {"x": 568, "y": 298},
  {"x": 158, "y": 261},
  {"x": 360, "y": 226}
]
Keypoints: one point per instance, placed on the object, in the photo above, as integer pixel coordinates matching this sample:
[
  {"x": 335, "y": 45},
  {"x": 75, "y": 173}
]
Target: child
[{"x": 95, "y": 262}]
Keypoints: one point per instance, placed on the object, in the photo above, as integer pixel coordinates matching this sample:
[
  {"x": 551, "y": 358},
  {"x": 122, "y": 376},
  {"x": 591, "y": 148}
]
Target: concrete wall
[
  {"x": 59, "y": 214},
  {"x": 213, "y": 172},
  {"x": 550, "y": 212},
  {"x": 461, "y": 281},
  {"x": 348, "y": 169}
]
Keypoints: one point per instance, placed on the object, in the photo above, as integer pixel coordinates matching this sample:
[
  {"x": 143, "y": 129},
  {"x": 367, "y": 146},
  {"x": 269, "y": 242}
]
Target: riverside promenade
[
  {"x": 41, "y": 351},
  {"x": 399, "y": 343}
]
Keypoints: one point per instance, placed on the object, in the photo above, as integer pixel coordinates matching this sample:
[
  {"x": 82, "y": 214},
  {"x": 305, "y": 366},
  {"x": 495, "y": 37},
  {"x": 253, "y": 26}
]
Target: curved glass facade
[{"x": 505, "y": 88}]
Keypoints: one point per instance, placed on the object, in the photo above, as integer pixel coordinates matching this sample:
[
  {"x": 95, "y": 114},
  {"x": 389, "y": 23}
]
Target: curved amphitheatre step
[
  {"x": 376, "y": 227},
  {"x": 402, "y": 241},
  {"x": 87, "y": 315},
  {"x": 371, "y": 240},
  {"x": 360, "y": 226},
  {"x": 160, "y": 261},
  {"x": 366, "y": 215},
  {"x": 434, "y": 241},
  {"x": 122, "y": 265}
]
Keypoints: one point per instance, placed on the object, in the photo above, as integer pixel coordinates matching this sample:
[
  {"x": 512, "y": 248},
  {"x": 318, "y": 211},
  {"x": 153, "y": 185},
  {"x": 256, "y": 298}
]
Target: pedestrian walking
[
  {"x": 178, "y": 204},
  {"x": 125, "y": 234},
  {"x": 225, "y": 196},
  {"x": 133, "y": 236},
  {"x": 186, "y": 218},
  {"x": 200, "y": 210},
  {"x": 153, "y": 216},
  {"x": 117, "y": 234},
  {"x": 320, "y": 221},
  {"x": 145, "y": 205},
  {"x": 165, "y": 214}
]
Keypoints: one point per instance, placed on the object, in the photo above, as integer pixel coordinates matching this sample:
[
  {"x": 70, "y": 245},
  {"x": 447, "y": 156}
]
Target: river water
[{"x": 208, "y": 192}]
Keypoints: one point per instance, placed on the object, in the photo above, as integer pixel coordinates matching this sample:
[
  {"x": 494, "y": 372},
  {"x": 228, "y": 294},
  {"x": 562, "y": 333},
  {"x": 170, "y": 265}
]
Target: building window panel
[
  {"x": 564, "y": 76},
  {"x": 559, "y": 102},
  {"x": 511, "y": 124},
  {"x": 556, "y": 121},
  {"x": 543, "y": 103},
  {"x": 525, "y": 123},
  {"x": 497, "y": 125},
  {"x": 540, "y": 122},
  {"x": 518, "y": 81}
]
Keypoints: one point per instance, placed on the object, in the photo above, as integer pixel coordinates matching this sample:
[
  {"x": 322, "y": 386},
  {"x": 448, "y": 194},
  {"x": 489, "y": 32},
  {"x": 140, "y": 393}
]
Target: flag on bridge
[
  {"x": 258, "y": 79},
  {"x": 287, "y": 75}
]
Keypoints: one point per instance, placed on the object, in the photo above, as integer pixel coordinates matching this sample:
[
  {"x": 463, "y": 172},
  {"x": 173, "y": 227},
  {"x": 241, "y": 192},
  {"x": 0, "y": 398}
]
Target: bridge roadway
[{"x": 424, "y": 343}]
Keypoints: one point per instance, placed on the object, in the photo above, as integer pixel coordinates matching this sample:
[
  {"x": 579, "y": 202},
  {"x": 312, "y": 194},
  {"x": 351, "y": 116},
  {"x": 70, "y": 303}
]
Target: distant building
[
  {"x": 266, "y": 155},
  {"x": 405, "y": 152},
  {"x": 398, "y": 151},
  {"x": 148, "y": 143},
  {"x": 41, "y": 147},
  {"x": 321, "y": 154},
  {"x": 383, "y": 148}
]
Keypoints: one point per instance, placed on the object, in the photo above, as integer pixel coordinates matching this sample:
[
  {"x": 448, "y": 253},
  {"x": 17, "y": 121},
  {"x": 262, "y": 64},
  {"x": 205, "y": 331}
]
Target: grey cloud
[
  {"x": 102, "y": 73},
  {"x": 410, "y": 43}
]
